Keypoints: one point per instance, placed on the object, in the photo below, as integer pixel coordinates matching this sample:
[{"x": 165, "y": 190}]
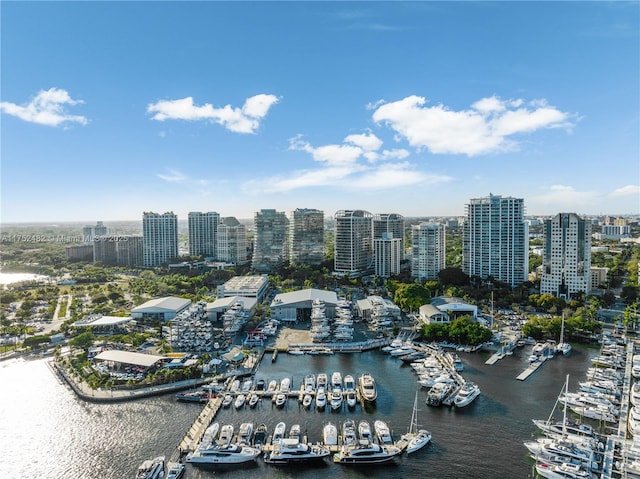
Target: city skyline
[{"x": 388, "y": 107}]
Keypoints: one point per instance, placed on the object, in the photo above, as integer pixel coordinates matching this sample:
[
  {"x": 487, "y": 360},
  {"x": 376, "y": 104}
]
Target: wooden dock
[
  {"x": 533, "y": 367},
  {"x": 194, "y": 436}
]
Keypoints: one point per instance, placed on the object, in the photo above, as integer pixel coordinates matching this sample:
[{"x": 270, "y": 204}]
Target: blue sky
[{"x": 111, "y": 109}]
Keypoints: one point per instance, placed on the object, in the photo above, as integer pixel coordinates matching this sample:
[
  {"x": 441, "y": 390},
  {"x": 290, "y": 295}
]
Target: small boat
[
  {"x": 562, "y": 347},
  {"x": 260, "y": 436},
  {"x": 467, "y": 394},
  {"x": 228, "y": 399},
  {"x": 330, "y": 434},
  {"x": 309, "y": 383},
  {"x": 336, "y": 380},
  {"x": 295, "y": 352},
  {"x": 321, "y": 382},
  {"x": 273, "y": 385},
  {"x": 278, "y": 432},
  {"x": 176, "y": 471},
  {"x": 280, "y": 399},
  {"x": 563, "y": 470},
  {"x": 336, "y": 399},
  {"x": 383, "y": 433},
  {"x": 321, "y": 399},
  {"x": 285, "y": 385},
  {"x": 209, "y": 436},
  {"x": 261, "y": 385},
  {"x": 294, "y": 431},
  {"x": 416, "y": 438},
  {"x": 151, "y": 469},
  {"x": 226, "y": 435},
  {"x": 352, "y": 399},
  {"x": 253, "y": 400},
  {"x": 307, "y": 399},
  {"x": 239, "y": 402},
  {"x": 194, "y": 396}
]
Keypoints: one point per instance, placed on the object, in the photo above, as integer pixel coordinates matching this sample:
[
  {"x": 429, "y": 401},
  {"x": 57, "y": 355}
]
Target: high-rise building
[
  {"x": 203, "y": 230},
  {"x": 90, "y": 232},
  {"x": 566, "y": 264},
  {"x": 270, "y": 241},
  {"x": 389, "y": 223},
  {"x": 160, "y": 238},
  {"x": 231, "y": 241},
  {"x": 387, "y": 254},
  {"x": 306, "y": 236},
  {"x": 428, "y": 246},
  {"x": 353, "y": 248},
  {"x": 118, "y": 250},
  {"x": 495, "y": 240}
]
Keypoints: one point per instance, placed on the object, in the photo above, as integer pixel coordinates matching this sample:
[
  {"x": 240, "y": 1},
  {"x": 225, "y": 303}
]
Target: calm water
[{"x": 49, "y": 433}]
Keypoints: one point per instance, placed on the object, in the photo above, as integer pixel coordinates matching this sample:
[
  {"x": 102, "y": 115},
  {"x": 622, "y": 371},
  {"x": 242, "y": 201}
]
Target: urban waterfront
[{"x": 48, "y": 432}]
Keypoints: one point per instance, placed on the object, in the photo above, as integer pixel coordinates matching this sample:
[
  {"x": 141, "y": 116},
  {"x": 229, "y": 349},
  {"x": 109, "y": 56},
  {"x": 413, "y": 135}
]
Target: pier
[
  {"x": 194, "y": 436},
  {"x": 533, "y": 367}
]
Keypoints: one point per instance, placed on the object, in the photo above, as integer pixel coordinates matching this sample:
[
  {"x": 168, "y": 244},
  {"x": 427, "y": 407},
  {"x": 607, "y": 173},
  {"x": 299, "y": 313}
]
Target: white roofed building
[
  {"x": 161, "y": 309},
  {"x": 296, "y": 305},
  {"x": 245, "y": 286},
  {"x": 220, "y": 306}
]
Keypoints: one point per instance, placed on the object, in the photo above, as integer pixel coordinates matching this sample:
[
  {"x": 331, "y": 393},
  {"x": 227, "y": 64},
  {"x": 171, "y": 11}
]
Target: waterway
[{"x": 47, "y": 432}]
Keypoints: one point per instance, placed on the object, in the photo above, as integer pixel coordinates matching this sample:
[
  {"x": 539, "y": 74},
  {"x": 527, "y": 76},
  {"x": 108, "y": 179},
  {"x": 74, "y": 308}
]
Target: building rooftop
[
  {"x": 97, "y": 320},
  {"x": 129, "y": 357},
  {"x": 170, "y": 303},
  {"x": 303, "y": 295}
]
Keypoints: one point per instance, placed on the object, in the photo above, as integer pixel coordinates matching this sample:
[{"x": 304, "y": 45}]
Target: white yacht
[
  {"x": 368, "y": 387},
  {"x": 285, "y": 385},
  {"x": 321, "y": 381},
  {"x": 364, "y": 431},
  {"x": 563, "y": 470},
  {"x": 239, "y": 402},
  {"x": 349, "y": 436},
  {"x": 467, "y": 394},
  {"x": 336, "y": 380},
  {"x": 209, "y": 436},
  {"x": 336, "y": 399},
  {"x": 279, "y": 432},
  {"x": 438, "y": 393},
  {"x": 330, "y": 434},
  {"x": 230, "y": 454},
  {"x": 151, "y": 469},
  {"x": 245, "y": 433},
  {"x": 226, "y": 435},
  {"x": 176, "y": 471},
  {"x": 383, "y": 433},
  {"x": 280, "y": 399},
  {"x": 321, "y": 398},
  {"x": 364, "y": 452},
  {"x": 416, "y": 438},
  {"x": 291, "y": 451}
]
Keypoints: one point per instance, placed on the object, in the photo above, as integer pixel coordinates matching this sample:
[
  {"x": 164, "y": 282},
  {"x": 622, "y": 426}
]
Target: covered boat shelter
[
  {"x": 103, "y": 324},
  {"x": 118, "y": 359},
  {"x": 297, "y": 305}
]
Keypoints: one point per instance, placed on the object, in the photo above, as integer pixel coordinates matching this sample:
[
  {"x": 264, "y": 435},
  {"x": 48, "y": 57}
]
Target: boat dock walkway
[
  {"x": 341, "y": 347},
  {"x": 194, "y": 436},
  {"x": 533, "y": 367}
]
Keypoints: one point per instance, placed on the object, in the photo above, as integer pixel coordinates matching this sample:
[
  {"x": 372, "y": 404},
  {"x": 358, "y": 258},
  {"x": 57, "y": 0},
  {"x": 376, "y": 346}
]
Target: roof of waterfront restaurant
[
  {"x": 227, "y": 302},
  {"x": 287, "y": 299},
  {"x": 98, "y": 320},
  {"x": 170, "y": 303},
  {"x": 129, "y": 357}
]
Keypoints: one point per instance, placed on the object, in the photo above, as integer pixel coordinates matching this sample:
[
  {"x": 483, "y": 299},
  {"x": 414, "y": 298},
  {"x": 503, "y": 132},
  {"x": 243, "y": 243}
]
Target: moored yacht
[
  {"x": 368, "y": 387},
  {"x": 330, "y": 434},
  {"x": 176, "y": 471},
  {"x": 151, "y": 469},
  {"x": 383, "y": 432},
  {"x": 467, "y": 394},
  {"x": 364, "y": 452},
  {"x": 563, "y": 470},
  {"x": 229, "y": 454},
  {"x": 291, "y": 451}
]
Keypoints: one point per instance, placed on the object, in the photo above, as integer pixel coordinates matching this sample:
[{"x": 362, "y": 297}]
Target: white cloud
[
  {"x": 200, "y": 186},
  {"x": 239, "y": 120},
  {"x": 46, "y": 108},
  {"x": 628, "y": 190},
  {"x": 484, "y": 128},
  {"x": 564, "y": 198}
]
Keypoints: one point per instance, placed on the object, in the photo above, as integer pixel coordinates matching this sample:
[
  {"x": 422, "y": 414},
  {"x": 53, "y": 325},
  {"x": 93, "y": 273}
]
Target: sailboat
[
  {"x": 562, "y": 347},
  {"x": 416, "y": 438}
]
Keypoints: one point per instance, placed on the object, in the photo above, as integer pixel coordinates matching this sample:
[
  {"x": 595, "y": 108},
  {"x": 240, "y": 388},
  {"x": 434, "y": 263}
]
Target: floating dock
[{"x": 533, "y": 367}]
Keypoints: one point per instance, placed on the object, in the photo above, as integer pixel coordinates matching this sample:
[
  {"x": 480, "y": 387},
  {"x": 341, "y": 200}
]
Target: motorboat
[
  {"x": 245, "y": 433},
  {"x": 349, "y": 437},
  {"x": 290, "y": 451},
  {"x": 321, "y": 399},
  {"x": 364, "y": 431},
  {"x": 330, "y": 434},
  {"x": 352, "y": 399},
  {"x": 368, "y": 387},
  {"x": 438, "y": 393},
  {"x": 253, "y": 400},
  {"x": 272, "y": 386},
  {"x": 383, "y": 433},
  {"x": 309, "y": 383},
  {"x": 349, "y": 383},
  {"x": 229, "y": 454},
  {"x": 239, "y": 402},
  {"x": 321, "y": 381},
  {"x": 336, "y": 399},
  {"x": 194, "y": 396},
  {"x": 416, "y": 438},
  {"x": 260, "y": 436},
  {"x": 279, "y": 432},
  {"x": 285, "y": 385},
  {"x": 176, "y": 471},
  {"x": 565, "y": 470},
  {"x": 307, "y": 399},
  {"x": 226, "y": 435},
  {"x": 151, "y": 469},
  {"x": 235, "y": 386},
  {"x": 280, "y": 399},
  {"x": 227, "y": 400},
  {"x": 295, "y": 431},
  {"x": 246, "y": 385},
  {"x": 467, "y": 394},
  {"x": 336, "y": 380},
  {"x": 363, "y": 452},
  {"x": 295, "y": 351},
  {"x": 209, "y": 436}
]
